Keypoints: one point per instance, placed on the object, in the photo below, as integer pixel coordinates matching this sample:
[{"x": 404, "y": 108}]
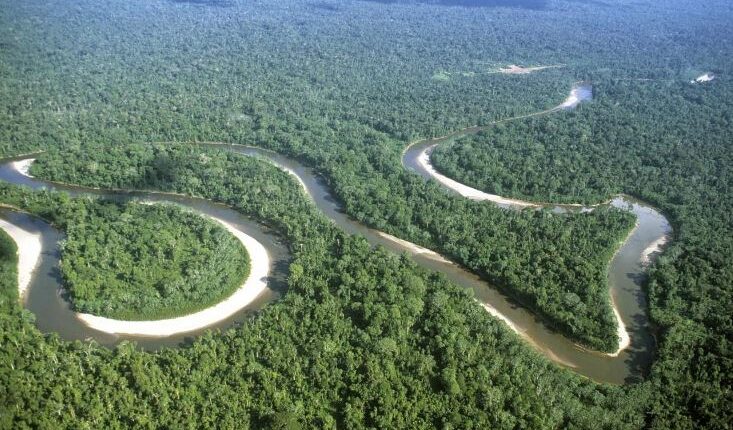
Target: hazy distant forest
[{"x": 364, "y": 338}]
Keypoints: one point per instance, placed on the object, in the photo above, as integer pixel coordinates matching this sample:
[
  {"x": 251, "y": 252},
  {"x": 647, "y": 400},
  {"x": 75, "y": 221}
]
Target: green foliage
[
  {"x": 508, "y": 161},
  {"x": 687, "y": 171},
  {"x": 9, "y": 269},
  {"x": 344, "y": 87},
  {"x": 362, "y": 339},
  {"x": 538, "y": 257},
  {"x": 136, "y": 261}
]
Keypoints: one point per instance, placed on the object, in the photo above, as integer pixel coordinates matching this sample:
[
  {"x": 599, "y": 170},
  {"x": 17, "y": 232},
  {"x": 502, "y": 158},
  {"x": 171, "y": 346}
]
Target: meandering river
[
  {"x": 53, "y": 312},
  {"x": 626, "y": 274},
  {"x": 626, "y": 271}
]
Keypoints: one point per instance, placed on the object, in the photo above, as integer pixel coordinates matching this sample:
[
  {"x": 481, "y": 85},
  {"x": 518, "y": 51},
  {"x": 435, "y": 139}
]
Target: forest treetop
[
  {"x": 363, "y": 339},
  {"x": 139, "y": 262}
]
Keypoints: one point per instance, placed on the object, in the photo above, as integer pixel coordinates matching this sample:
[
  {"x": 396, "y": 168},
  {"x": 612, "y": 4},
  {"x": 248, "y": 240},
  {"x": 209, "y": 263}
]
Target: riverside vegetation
[
  {"x": 556, "y": 264},
  {"x": 359, "y": 329},
  {"x": 363, "y": 338},
  {"x": 139, "y": 262}
]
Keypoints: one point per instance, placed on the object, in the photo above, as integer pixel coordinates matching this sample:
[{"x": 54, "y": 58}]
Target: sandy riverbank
[
  {"x": 23, "y": 166},
  {"x": 495, "y": 313},
  {"x": 416, "y": 249},
  {"x": 707, "y": 77},
  {"x": 621, "y": 332},
  {"x": 653, "y": 248},
  {"x": 465, "y": 190},
  {"x": 498, "y": 315},
  {"x": 253, "y": 286},
  {"x": 513, "y": 69},
  {"x": 291, "y": 172},
  {"x": 29, "y": 253}
]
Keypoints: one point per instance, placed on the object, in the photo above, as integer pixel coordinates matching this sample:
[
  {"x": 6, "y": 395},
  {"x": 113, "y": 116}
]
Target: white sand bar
[
  {"x": 23, "y": 166},
  {"x": 415, "y": 249},
  {"x": 29, "y": 253},
  {"x": 465, "y": 190},
  {"x": 253, "y": 286},
  {"x": 496, "y": 314},
  {"x": 513, "y": 69},
  {"x": 621, "y": 332},
  {"x": 292, "y": 173},
  {"x": 653, "y": 248},
  {"x": 707, "y": 77}
]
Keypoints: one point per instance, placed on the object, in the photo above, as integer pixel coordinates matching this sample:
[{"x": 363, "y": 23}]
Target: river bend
[{"x": 626, "y": 270}]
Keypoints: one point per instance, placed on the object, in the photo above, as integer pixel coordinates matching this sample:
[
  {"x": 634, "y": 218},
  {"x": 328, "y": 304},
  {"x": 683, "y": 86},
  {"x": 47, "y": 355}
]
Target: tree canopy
[{"x": 363, "y": 338}]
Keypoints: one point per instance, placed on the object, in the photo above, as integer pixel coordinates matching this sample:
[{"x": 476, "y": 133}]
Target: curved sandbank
[
  {"x": 707, "y": 77},
  {"x": 500, "y": 316},
  {"x": 578, "y": 94},
  {"x": 23, "y": 166},
  {"x": 624, "y": 339},
  {"x": 465, "y": 190},
  {"x": 29, "y": 253},
  {"x": 253, "y": 286},
  {"x": 415, "y": 249},
  {"x": 654, "y": 248},
  {"x": 478, "y": 195}
]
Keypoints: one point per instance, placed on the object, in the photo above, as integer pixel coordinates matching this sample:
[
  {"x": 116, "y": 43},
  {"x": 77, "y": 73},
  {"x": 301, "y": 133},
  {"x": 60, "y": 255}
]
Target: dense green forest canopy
[
  {"x": 555, "y": 264},
  {"x": 677, "y": 156},
  {"x": 138, "y": 262},
  {"x": 9, "y": 265},
  {"x": 364, "y": 339}
]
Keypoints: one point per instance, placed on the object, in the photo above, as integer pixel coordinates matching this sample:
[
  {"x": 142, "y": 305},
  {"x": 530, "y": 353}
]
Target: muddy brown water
[
  {"x": 53, "y": 312},
  {"x": 626, "y": 272}
]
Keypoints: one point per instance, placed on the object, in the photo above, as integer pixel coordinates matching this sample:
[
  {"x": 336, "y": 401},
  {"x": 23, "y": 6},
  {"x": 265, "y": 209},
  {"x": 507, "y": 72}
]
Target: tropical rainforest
[
  {"x": 154, "y": 261},
  {"x": 364, "y": 338},
  {"x": 526, "y": 252}
]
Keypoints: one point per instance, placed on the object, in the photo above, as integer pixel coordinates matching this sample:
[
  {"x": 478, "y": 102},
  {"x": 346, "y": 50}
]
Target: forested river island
[{"x": 366, "y": 214}]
